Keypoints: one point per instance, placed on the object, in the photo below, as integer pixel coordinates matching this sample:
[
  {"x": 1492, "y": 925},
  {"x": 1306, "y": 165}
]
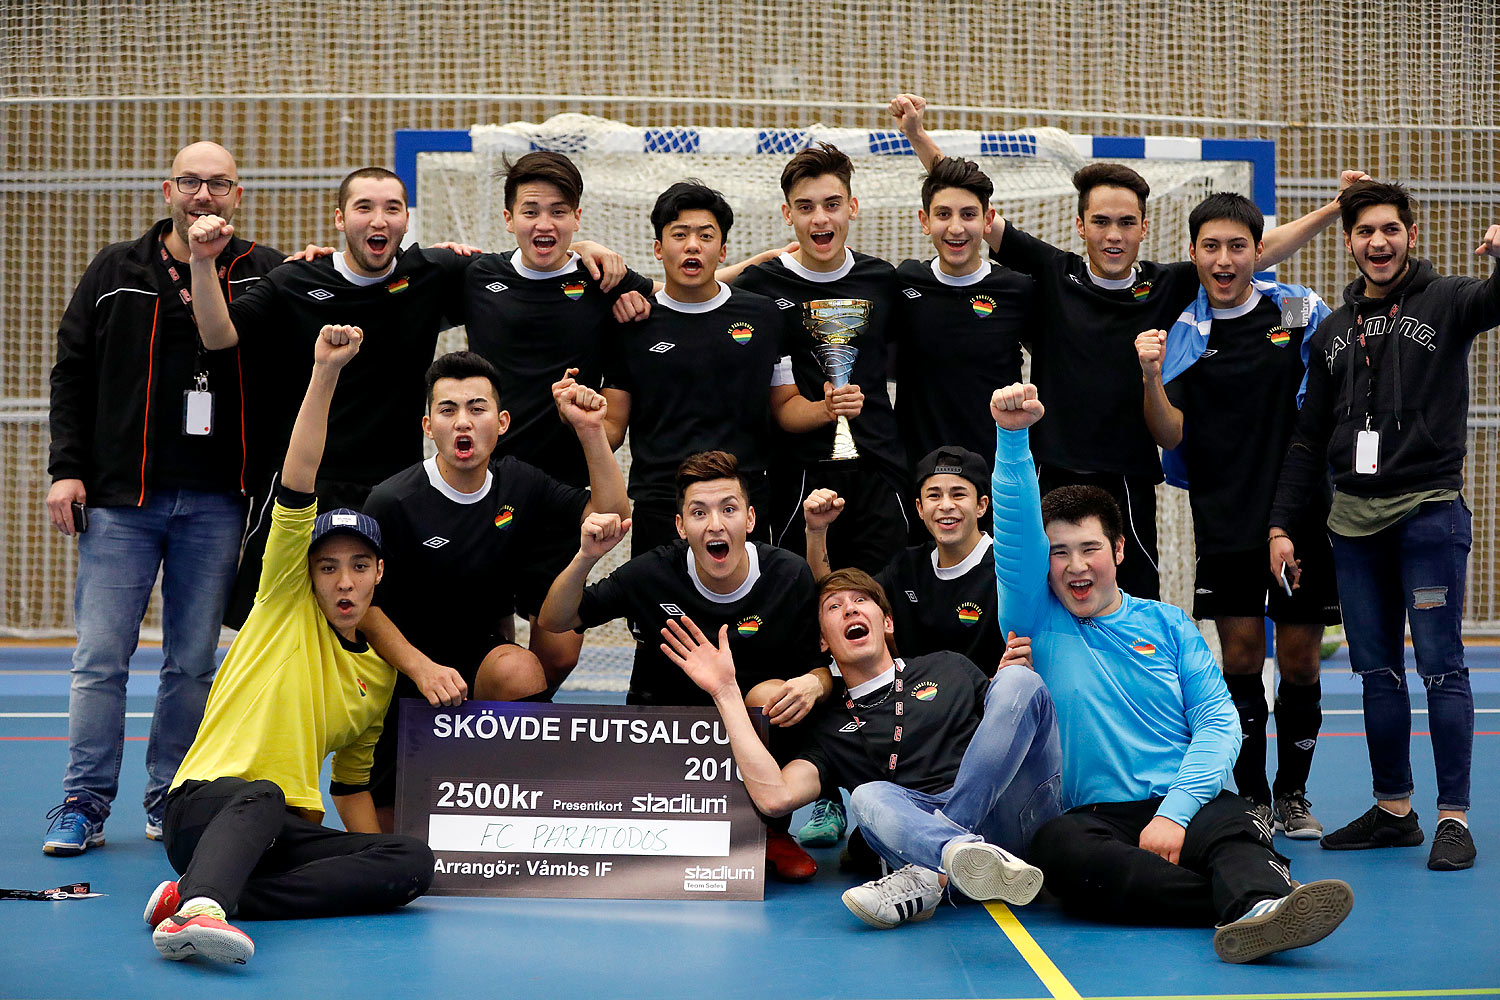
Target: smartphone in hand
[{"x": 80, "y": 518}]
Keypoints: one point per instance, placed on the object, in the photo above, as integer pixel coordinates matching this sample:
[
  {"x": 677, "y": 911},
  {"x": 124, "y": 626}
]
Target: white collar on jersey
[
  {"x": 568, "y": 267},
  {"x": 1114, "y": 284},
  {"x": 738, "y": 592},
  {"x": 974, "y": 558},
  {"x": 1243, "y": 309},
  {"x": 676, "y": 305},
  {"x": 877, "y": 682},
  {"x": 441, "y": 485},
  {"x": 341, "y": 265},
  {"x": 958, "y": 281},
  {"x": 841, "y": 271}
]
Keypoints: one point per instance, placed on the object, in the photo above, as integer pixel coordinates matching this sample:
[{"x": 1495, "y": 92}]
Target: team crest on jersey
[
  {"x": 497, "y": 286},
  {"x": 741, "y": 332},
  {"x": 969, "y": 613},
  {"x": 925, "y": 691},
  {"x": 748, "y": 626},
  {"x": 983, "y": 306},
  {"x": 1141, "y": 290},
  {"x": 321, "y": 294},
  {"x": 505, "y": 516},
  {"x": 1279, "y": 335},
  {"x": 1143, "y": 647},
  {"x": 573, "y": 290},
  {"x": 399, "y": 285},
  {"x": 359, "y": 682}
]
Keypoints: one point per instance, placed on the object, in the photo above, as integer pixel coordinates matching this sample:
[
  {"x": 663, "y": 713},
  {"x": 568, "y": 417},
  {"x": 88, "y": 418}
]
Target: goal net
[{"x": 458, "y": 196}]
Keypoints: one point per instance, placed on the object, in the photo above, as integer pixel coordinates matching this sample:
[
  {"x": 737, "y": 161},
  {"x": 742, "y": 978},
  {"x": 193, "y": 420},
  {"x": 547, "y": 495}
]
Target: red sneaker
[
  {"x": 202, "y": 930},
  {"x": 786, "y": 861},
  {"x": 162, "y": 904}
]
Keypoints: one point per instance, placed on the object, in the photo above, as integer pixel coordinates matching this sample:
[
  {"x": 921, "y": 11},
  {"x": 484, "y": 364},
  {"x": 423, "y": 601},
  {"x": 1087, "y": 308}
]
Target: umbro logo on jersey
[
  {"x": 1204, "y": 590},
  {"x": 1305, "y": 744},
  {"x": 673, "y": 610},
  {"x": 785, "y": 304},
  {"x": 321, "y": 294},
  {"x": 497, "y": 286},
  {"x": 911, "y": 595},
  {"x": 852, "y": 727},
  {"x": 436, "y": 542},
  {"x": 911, "y": 293},
  {"x": 661, "y": 347}
]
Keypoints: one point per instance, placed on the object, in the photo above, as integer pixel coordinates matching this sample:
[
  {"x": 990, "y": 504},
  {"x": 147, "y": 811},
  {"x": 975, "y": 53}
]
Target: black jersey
[
  {"x": 791, "y": 285},
  {"x": 957, "y": 341},
  {"x": 772, "y": 618},
  {"x": 942, "y": 701},
  {"x": 534, "y": 329},
  {"x": 375, "y": 420},
  {"x": 699, "y": 377},
  {"x": 1239, "y": 407},
  {"x": 953, "y": 608},
  {"x": 1083, "y": 358},
  {"x": 455, "y": 563}
]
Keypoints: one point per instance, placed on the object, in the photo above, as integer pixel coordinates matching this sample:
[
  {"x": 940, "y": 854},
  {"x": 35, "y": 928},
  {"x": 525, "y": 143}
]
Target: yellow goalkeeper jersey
[{"x": 290, "y": 691}]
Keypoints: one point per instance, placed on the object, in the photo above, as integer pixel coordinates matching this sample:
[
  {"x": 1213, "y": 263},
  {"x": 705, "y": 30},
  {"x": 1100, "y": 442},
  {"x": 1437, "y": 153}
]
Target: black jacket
[
  {"x": 1412, "y": 388},
  {"x": 123, "y": 330}
]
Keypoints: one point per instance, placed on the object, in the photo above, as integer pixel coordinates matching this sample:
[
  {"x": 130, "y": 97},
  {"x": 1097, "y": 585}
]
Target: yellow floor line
[{"x": 1051, "y": 977}]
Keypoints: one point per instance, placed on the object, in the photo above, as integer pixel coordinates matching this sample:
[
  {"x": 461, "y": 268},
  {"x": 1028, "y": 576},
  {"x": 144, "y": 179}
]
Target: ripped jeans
[{"x": 1412, "y": 571}]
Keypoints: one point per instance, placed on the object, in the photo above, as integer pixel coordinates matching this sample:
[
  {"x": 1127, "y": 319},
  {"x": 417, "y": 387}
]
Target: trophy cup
[{"x": 834, "y": 324}]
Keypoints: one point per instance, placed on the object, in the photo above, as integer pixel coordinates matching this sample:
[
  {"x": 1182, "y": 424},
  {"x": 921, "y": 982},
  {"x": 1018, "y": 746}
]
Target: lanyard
[
  {"x": 896, "y": 735},
  {"x": 184, "y": 293}
]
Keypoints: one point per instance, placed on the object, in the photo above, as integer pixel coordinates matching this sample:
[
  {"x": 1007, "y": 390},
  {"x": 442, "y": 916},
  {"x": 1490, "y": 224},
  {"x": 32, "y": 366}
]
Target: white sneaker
[
  {"x": 1304, "y": 916},
  {"x": 906, "y": 895},
  {"x": 983, "y": 871}
]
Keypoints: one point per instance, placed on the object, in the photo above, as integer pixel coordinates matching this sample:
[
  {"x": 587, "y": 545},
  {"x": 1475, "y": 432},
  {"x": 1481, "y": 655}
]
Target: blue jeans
[
  {"x": 1411, "y": 572},
  {"x": 1009, "y": 783},
  {"x": 194, "y": 538}
]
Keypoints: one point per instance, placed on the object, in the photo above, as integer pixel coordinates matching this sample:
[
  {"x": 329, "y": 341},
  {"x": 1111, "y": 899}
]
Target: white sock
[
  {"x": 1454, "y": 819},
  {"x": 198, "y": 901},
  {"x": 1397, "y": 815}
]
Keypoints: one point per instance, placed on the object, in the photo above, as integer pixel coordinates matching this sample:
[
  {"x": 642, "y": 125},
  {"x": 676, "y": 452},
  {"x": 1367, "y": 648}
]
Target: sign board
[{"x": 596, "y": 801}]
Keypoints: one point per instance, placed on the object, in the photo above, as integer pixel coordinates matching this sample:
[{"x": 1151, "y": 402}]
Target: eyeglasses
[{"x": 220, "y": 186}]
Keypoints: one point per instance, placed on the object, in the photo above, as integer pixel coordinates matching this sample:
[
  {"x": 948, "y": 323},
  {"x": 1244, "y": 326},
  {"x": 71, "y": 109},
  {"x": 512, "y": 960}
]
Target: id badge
[
  {"x": 1367, "y": 452},
  {"x": 197, "y": 412},
  {"x": 1296, "y": 311}
]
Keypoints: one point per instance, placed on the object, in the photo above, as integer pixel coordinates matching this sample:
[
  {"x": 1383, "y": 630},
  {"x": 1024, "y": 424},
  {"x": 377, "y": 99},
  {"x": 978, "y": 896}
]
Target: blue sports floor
[{"x": 1412, "y": 932}]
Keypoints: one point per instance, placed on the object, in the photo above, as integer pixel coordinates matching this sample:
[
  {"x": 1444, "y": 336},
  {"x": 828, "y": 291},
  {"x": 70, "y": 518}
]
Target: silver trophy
[{"x": 834, "y": 325}]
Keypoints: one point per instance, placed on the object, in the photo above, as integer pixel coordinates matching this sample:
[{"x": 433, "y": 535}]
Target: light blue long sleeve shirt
[{"x": 1142, "y": 707}]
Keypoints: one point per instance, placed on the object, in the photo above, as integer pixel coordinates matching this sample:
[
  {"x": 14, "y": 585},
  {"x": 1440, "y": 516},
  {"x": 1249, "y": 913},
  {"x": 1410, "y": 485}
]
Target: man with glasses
[{"x": 147, "y": 464}]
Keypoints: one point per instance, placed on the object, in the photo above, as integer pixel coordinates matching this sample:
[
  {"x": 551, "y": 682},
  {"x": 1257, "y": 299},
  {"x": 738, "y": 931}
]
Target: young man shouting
[
  {"x": 761, "y": 593},
  {"x": 702, "y": 372},
  {"x": 242, "y": 822},
  {"x": 942, "y": 592},
  {"x": 1233, "y": 367},
  {"x": 1148, "y": 729},
  {"x": 462, "y": 523},
  {"x": 951, "y": 774},
  {"x": 824, "y": 273},
  {"x": 1386, "y": 410}
]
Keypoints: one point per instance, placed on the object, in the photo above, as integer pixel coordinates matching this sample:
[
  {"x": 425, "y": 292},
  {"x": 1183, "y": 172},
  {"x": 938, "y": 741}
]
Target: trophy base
[{"x": 843, "y": 442}]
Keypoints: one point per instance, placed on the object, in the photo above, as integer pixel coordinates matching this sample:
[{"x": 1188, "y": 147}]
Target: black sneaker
[
  {"x": 1376, "y": 828},
  {"x": 1452, "y": 847}
]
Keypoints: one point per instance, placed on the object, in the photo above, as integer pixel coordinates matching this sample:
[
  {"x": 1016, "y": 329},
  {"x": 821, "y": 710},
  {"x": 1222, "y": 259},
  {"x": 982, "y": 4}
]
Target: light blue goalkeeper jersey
[{"x": 1142, "y": 707}]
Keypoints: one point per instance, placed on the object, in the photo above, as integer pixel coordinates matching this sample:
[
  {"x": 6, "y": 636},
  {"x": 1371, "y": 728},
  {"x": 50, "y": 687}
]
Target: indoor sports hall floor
[{"x": 1412, "y": 932}]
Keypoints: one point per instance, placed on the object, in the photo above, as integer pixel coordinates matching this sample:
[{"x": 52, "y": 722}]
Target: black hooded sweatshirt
[{"x": 1412, "y": 388}]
